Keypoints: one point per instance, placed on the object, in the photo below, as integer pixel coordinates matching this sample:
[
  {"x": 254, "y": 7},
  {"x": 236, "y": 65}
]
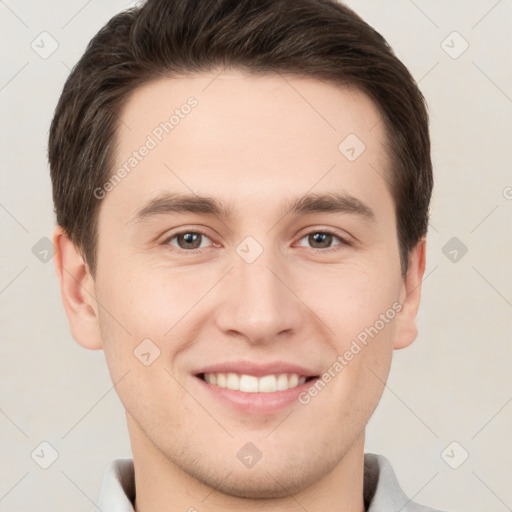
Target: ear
[
  {"x": 77, "y": 290},
  {"x": 406, "y": 328}
]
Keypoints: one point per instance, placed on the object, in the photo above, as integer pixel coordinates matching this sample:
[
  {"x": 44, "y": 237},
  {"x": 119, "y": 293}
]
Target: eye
[
  {"x": 188, "y": 240},
  {"x": 193, "y": 241},
  {"x": 323, "y": 239}
]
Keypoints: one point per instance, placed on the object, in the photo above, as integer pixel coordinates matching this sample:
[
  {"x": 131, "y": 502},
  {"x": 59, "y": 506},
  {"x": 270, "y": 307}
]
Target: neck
[{"x": 161, "y": 485}]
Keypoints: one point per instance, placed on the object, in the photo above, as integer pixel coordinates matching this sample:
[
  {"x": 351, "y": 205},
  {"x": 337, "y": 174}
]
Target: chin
[{"x": 268, "y": 481}]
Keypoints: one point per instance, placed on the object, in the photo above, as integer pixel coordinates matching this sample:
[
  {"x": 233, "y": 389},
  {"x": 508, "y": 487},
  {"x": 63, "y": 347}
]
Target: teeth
[
  {"x": 282, "y": 382},
  {"x": 252, "y": 384},
  {"x": 293, "y": 381},
  {"x": 232, "y": 381},
  {"x": 267, "y": 384},
  {"x": 221, "y": 379},
  {"x": 248, "y": 383}
]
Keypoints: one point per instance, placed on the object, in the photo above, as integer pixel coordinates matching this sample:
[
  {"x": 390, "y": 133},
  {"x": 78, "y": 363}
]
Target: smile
[{"x": 252, "y": 384}]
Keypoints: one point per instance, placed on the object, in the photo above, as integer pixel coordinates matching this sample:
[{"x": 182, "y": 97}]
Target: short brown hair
[{"x": 321, "y": 39}]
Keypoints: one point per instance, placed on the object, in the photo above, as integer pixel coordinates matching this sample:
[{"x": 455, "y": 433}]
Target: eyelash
[{"x": 343, "y": 241}]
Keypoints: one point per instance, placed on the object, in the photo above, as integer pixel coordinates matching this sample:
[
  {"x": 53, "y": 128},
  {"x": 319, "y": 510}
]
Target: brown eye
[
  {"x": 187, "y": 240},
  {"x": 320, "y": 240},
  {"x": 323, "y": 240}
]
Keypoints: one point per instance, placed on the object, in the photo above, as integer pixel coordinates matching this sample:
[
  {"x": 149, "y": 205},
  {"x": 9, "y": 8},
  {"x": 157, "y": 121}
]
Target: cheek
[
  {"x": 358, "y": 373},
  {"x": 149, "y": 300},
  {"x": 138, "y": 310},
  {"x": 149, "y": 310},
  {"x": 352, "y": 299},
  {"x": 360, "y": 307}
]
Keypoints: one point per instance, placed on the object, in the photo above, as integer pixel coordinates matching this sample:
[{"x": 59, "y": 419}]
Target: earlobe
[
  {"x": 77, "y": 292},
  {"x": 406, "y": 328}
]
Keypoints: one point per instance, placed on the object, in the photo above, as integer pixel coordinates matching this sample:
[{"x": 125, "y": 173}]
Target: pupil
[
  {"x": 191, "y": 239},
  {"x": 324, "y": 238}
]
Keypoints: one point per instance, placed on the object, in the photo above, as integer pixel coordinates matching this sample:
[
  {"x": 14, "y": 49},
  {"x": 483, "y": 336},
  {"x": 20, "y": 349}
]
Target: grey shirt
[{"x": 382, "y": 493}]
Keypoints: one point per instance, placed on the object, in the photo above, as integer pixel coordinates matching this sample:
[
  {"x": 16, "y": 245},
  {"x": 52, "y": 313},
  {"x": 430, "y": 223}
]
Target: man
[{"x": 242, "y": 193}]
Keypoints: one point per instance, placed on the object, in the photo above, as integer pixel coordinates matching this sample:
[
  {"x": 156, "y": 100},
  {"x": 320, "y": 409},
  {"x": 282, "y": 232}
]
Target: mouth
[
  {"x": 247, "y": 383},
  {"x": 256, "y": 388},
  {"x": 254, "y": 395}
]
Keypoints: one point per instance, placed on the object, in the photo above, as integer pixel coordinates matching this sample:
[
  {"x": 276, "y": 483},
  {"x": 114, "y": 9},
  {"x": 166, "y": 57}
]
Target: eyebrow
[{"x": 312, "y": 203}]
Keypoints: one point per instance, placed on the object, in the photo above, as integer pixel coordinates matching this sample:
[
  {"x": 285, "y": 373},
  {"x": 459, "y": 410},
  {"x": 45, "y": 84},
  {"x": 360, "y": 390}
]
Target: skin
[{"x": 252, "y": 143}]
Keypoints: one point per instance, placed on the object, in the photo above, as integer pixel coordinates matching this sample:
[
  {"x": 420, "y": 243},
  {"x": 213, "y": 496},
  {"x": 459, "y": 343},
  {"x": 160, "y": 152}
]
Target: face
[{"x": 255, "y": 236}]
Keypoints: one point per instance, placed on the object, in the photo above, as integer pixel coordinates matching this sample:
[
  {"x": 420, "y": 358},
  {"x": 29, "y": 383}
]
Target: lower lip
[{"x": 256, "y": 403}]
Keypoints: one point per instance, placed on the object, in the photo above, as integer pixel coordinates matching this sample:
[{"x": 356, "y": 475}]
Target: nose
[{"x": 258, "y": 302}]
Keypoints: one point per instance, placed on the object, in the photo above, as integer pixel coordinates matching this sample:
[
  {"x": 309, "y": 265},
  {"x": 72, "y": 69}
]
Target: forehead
[{"x": 240, "y": 137}]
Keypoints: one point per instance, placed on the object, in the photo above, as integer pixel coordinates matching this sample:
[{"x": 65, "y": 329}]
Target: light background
[{"x": 452, "y": 384}]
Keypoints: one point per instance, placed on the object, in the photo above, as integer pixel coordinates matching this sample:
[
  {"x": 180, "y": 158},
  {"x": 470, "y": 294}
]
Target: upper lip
[{"x": 257, "y": 369}]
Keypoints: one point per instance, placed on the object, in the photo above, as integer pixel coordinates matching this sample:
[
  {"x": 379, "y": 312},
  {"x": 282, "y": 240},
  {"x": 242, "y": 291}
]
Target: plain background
[{"x": 452, "y": 385}]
